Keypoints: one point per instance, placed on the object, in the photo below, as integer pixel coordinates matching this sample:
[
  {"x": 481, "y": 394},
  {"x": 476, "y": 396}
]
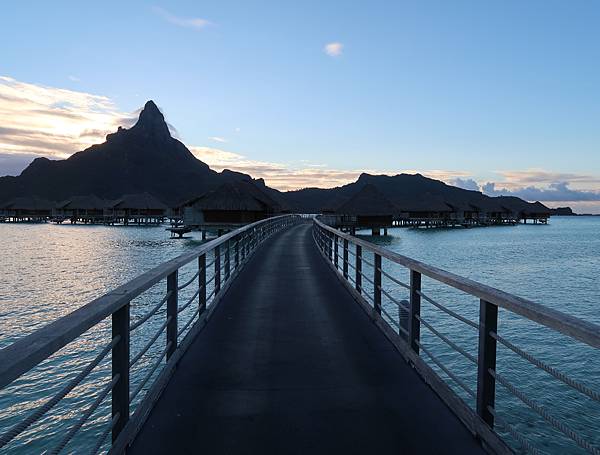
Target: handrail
[
  {"x": 19, "y": 357},
  {"x": 584, "y": 331},
  {"x": 26, "y": 353},
  {"x": 404, "y": 330}
]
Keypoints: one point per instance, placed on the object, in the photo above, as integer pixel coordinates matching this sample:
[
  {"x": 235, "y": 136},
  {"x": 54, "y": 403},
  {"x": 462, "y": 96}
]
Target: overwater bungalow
[
  {"x": 140, "y": 209},
  {"x": 427, "y": 211},
  {"x": 367, "y": 209},
  {"x": 83, "y": 209},
  {"x": 230, "y": 205},
  {"x": 26, "y": 209},
  {"x": 524, "y": 211}
]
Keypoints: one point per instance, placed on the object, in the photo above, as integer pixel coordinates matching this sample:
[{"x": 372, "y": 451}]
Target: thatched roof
[
  {"x": 141, "y": 201},
  {"x": 235, "y": 196},
  {"x": 425, "y": 203},
  {"x": 369, "y": 201},
  {"x": 28, "y": 203},
  {"x": 90, "y": 202}
]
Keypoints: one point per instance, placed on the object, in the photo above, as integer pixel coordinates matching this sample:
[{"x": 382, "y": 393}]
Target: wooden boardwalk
[{"x": 289, "y": 363}]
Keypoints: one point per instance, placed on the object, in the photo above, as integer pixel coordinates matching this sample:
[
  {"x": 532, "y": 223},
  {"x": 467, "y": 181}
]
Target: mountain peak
[{"x": 152, "y": 122}]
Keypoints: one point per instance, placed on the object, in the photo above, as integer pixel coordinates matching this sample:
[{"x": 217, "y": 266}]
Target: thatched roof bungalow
[
  {"x": 368, "y": 208},
  {"x": 27, "y": 208},
  {"x": 76, "y": 207},
  {"x": 142, "y": 204},
  {"x": 239, "y": 202},
  {"x": 426, "y": 207}
]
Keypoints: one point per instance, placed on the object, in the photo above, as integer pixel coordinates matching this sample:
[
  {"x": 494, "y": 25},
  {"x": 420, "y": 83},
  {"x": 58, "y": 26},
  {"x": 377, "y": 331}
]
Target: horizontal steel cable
[
  {"x": 456, "y": 379},
  {"x": 40, "y": 411},
  {"x": 140, "y": 354},
  {"x": 189, "y": 301},
  {"x": 209, "y": 264},
  {"x": 210, "y": 295},
  {"x": 150, "y": 372},
  {"x": 187, "y": 283},
  {"x": 525, "y": 444},
  {"x": 211, "y": 279},
  {"x": 447, "y": 340},
  {"x": 187, "y": 324},
  {"x": 448, "y": 311},
  {"x": 366, "y": 277},
  {"x": 404, "y": 285},
  {"x": 548, "y": 369},
  {"x": 566, "y": 430},
  {"x": 104, "y": 434},
  {"x": 86, "y": 415},
  {"x": 150, "y": 313},
  {"x": 391, "y": 319},
  {"x": 398, "y": 303},
  {"x": 366, "y": 261}
]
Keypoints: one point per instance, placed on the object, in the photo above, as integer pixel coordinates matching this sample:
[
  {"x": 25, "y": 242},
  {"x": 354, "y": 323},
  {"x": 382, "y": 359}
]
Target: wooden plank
[{"x": 579, "y": 329}]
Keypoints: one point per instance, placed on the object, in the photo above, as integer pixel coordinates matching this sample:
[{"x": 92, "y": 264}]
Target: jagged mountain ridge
[{"x": 146, "y": 158}]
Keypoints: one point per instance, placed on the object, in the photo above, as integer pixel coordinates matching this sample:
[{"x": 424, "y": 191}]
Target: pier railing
[
  {"x": 373, "y": 275},
  {"x": 216, "y": 263}
]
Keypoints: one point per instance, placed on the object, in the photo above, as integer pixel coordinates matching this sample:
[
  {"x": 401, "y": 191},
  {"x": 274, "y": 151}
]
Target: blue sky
[{"x": 503, "y": 92}]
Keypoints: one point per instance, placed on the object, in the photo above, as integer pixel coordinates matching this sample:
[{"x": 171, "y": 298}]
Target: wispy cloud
[
  {"x": 45, "y": 121},
  {"x": 556, "y": 192},
  {"x": 334, "y": 49},
  {"x": 74, "y": 78},
  {"x": 190, "y": 22},
  {"x": 218, "y": 139}
]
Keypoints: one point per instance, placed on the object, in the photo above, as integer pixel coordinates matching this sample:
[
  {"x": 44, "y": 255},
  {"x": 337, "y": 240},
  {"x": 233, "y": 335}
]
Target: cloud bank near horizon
[{"x": 45, "y": 121}]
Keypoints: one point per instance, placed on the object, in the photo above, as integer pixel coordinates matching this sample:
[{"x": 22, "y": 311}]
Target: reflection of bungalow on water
[
  {"x": 229, "y": 206},
  {"x": 367, "y": 209},
  {"x": 26, "y": 209},
  {"x": 82, "y": 209},
  {"x": 138, "y": 209}
]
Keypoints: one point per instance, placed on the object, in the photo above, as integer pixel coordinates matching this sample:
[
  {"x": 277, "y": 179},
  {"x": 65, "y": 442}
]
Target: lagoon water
[{"x": 48, "y": 271}]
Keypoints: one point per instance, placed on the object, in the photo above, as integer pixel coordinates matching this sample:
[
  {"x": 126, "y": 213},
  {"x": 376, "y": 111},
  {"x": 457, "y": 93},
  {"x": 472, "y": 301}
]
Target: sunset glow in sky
[{"x": 496, "y": 97}]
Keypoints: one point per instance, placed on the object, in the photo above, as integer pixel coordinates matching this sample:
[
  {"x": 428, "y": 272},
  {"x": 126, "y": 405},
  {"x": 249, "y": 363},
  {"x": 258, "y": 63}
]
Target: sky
[{"x": 501, "y": 97}]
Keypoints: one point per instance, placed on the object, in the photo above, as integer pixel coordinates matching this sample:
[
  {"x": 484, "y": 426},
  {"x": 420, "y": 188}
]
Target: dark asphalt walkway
[{"x": 289, "y": 363}]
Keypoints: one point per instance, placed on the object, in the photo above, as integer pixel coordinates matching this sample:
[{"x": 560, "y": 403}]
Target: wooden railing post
[
  {"x": 359, "y": 268},
  {"x": 172, "y": 307},
  {"x": 227, "y": 261},
  {"x": 217, "y": 251},
  {"x": 377, "y": 285},
  {"x": 486, "y": 383},
  {"x": 120, "y": 366},
  {"x": 202, "y": 283},
  {"x": 414, "y": 325},
  {"x": 335, "y": 251},
  {"x": 346, "y": 258}
]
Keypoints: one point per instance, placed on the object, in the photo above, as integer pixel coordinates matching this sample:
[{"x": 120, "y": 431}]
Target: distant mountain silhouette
[
  {"x": 146, "y": 159},
  {"x": 407, "y": 191}
]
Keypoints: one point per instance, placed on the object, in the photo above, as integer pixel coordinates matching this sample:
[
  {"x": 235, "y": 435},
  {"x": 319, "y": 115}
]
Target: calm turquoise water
[{"x": 48, "y": 271}]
